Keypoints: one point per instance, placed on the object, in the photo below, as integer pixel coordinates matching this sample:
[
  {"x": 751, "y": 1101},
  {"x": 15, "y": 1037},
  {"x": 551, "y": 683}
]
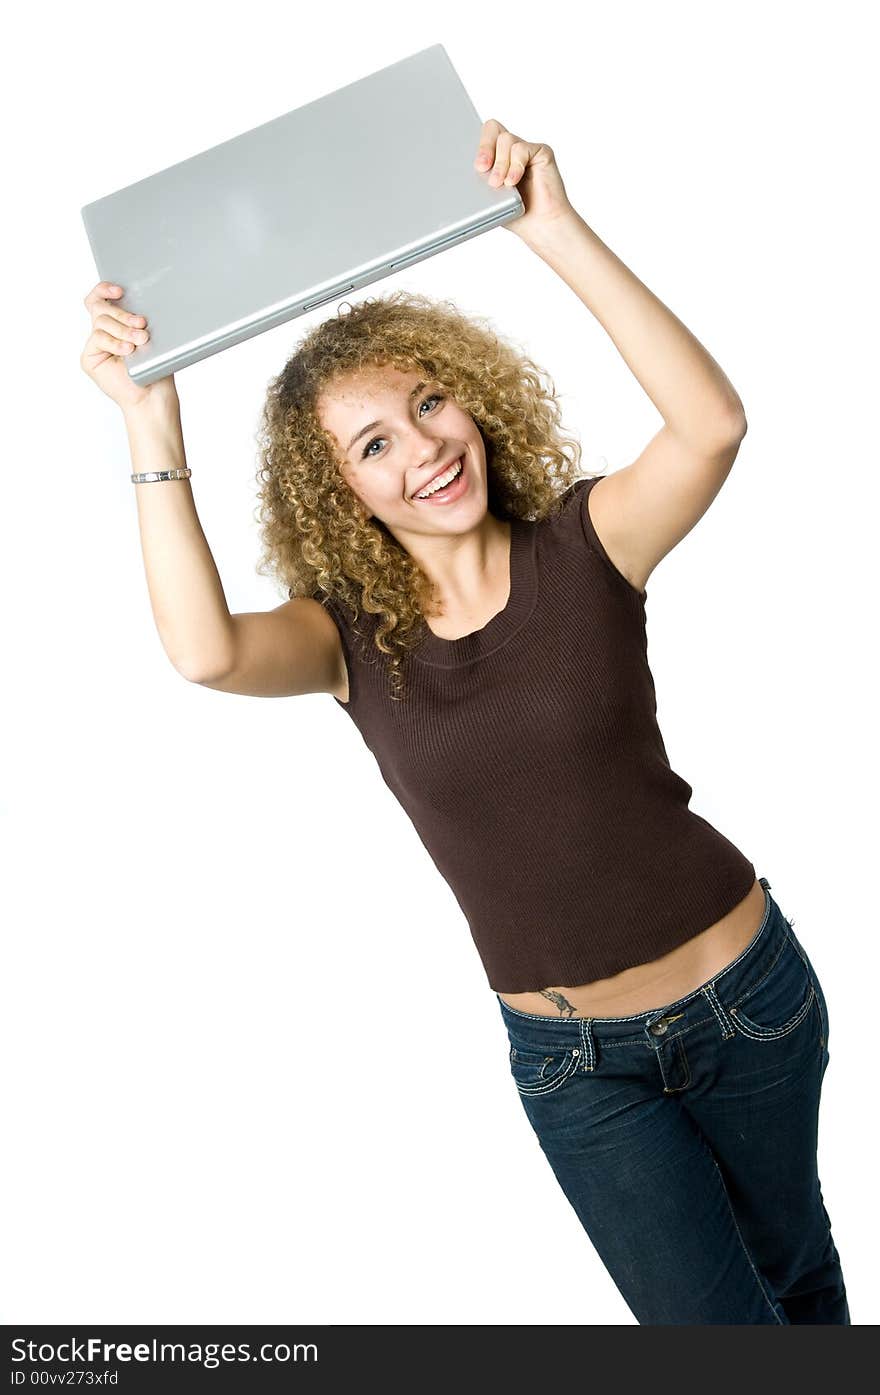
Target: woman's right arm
[{"x": 293, "y": 649}]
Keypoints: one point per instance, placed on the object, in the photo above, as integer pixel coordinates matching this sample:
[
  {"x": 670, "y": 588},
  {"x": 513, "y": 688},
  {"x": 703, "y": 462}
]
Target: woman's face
[{"x": 395, "y": 431}]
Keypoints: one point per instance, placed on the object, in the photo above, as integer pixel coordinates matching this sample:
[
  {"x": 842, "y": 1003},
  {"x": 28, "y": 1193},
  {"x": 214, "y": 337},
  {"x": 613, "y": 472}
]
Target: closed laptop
[{"x": 297, "y": 212}]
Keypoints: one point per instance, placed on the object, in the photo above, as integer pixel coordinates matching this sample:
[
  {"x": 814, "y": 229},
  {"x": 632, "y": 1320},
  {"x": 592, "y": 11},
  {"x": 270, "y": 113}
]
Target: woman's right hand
[{"x": 106, "y": 349}]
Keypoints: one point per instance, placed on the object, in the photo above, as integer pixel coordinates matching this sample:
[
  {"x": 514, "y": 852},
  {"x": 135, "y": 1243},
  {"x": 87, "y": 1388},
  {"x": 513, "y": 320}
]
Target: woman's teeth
[{"x": 442, "y": 480}]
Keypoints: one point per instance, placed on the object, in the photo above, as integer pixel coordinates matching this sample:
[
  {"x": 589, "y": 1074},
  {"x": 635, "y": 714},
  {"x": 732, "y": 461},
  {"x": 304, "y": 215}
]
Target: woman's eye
[{"x": 438, "y": 396}]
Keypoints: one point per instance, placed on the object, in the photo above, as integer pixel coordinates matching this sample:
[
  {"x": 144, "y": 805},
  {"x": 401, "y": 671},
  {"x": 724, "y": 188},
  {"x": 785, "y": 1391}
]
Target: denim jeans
[{"x": 685, "y": 1139}]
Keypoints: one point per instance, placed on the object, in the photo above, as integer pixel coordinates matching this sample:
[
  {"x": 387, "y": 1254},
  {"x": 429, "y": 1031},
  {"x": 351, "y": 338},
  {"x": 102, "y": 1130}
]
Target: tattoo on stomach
[{"x": 558, "y": 1000}]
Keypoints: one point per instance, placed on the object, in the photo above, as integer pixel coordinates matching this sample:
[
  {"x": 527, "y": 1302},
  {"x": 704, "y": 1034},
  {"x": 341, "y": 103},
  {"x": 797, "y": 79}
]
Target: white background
[{"x": 253, "y": 1071}]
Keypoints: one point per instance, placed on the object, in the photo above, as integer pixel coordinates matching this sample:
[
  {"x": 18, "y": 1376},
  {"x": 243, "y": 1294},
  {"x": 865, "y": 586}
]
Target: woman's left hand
[{"x": 507, "y": 160}]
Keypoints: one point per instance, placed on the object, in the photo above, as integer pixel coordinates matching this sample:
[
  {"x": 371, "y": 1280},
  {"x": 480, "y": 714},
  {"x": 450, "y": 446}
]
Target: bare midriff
[{"x": 661, "y": 981}]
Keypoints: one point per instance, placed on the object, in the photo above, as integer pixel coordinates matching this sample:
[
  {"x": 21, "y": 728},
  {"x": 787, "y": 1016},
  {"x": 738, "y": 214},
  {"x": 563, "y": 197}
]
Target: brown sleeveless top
[{"x": 528, "y": 757}]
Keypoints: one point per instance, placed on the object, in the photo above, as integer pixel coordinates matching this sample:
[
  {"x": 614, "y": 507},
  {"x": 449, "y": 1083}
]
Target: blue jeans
[{"x": 685, "y": 1139}]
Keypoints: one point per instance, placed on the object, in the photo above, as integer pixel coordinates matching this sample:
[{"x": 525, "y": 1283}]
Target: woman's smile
[{"x": 451, "y": 491}]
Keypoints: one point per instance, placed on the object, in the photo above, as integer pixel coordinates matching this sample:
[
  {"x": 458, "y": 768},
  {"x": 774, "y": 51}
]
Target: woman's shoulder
[
  {"x": 573, "y": 523},
  {"x": 564, "y": 519},
  {"x": 356, "y": 625},
  {"x": 578, "y": 490}
]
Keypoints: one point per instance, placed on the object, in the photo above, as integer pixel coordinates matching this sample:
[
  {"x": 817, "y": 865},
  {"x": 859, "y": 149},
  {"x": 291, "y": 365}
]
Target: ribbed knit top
[{"x": 527, "y": 755}]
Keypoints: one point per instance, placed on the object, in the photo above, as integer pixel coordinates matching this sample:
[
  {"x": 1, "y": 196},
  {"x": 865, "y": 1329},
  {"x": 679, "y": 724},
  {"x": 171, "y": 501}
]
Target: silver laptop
[{"x": 297, "y": 212}]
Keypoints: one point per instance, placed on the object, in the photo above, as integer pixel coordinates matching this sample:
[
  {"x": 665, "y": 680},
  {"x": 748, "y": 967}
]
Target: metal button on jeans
[{"x": 659, "y": 1027}]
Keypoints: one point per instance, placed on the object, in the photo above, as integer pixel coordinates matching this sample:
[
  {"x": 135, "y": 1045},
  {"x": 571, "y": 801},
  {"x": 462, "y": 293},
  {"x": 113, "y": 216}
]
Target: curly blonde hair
[{"x": 316, "y": 535}]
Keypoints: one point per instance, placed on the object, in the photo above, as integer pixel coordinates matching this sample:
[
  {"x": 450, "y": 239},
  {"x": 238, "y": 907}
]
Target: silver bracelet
[{"x": 149, "y": 475}]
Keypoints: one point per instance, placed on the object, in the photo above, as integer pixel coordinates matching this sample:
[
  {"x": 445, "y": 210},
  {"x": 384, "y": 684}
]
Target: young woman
[{"x": 479, "y": 611}]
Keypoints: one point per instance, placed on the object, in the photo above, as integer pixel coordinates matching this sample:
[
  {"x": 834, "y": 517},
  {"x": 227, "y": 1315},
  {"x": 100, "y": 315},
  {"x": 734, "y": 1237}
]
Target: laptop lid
[{"x": 297, "y": 212}]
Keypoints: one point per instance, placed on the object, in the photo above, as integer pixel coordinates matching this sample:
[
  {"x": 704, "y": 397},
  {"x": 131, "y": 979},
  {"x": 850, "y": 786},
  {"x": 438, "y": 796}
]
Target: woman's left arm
[
  {"x": 686, "y": 385},
  {"x": 643, "y": 510}
]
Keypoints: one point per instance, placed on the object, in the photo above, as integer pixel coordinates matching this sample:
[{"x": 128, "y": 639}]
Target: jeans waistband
[{"x": 769, "y": 939}]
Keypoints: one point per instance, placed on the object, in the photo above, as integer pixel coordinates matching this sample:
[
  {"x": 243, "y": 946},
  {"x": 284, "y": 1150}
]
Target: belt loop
[
  {"x": 721, "y": 1017},
  {"x": 589, "y": 1043}
]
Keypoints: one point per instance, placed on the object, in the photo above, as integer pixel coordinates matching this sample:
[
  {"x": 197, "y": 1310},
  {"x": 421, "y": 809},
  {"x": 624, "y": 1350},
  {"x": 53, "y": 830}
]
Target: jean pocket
[
  {"x": 779, "y": 1001},
  {"x": 540, "y": 1072}
]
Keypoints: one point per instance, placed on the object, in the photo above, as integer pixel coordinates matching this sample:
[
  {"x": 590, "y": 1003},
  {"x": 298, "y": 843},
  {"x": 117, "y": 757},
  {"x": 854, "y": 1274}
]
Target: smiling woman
[
  {"x": 419, "y": 462},
  {"x": 668, "y": 1032},
  {"x": 341, "y": 520}
]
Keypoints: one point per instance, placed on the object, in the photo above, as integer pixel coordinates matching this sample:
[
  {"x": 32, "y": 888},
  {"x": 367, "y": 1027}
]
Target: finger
[
  {"x": 120, "y": 326},
  {"x": 99, "y": 341},
  {"x": 101, "y": 310},
  {"x": 503, "y": 147},
  {"x": 104, "y": 290},
  {"x": 520, "y": 154},
  {"x": 485, "y": 155},
  {"x": 100, "y": 301},
  {"x": 486, "y": 148}
]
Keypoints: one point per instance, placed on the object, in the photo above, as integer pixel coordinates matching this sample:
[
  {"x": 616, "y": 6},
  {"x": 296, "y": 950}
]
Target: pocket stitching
[
  {"x": 757, "y": 1033},
  {"x": 569, "y": 1065}
]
